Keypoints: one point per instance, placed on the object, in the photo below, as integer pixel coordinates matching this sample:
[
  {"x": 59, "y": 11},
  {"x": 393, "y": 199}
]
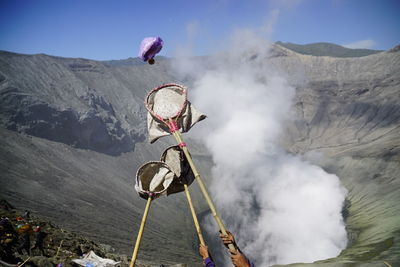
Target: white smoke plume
[{"x": 280, "y": 208}]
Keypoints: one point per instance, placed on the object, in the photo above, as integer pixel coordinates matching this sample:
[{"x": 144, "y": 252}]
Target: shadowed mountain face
[
  {"x": 85, "y": 104},
  {"x": 73, "y": 135}
]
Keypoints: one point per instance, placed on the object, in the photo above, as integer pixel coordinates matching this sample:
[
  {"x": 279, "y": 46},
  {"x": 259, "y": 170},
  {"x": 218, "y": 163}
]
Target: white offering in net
[
  {"x": 158, "y": 180},
  {"x": 167, "y": 102}
]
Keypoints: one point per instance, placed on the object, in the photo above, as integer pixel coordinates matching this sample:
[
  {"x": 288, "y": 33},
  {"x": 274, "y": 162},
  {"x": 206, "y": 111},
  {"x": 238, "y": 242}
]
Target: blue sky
[{"x": 106, "y": 29}]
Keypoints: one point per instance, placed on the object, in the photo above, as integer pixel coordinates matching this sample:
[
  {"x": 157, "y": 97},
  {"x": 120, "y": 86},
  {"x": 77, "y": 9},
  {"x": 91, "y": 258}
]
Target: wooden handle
[
  {"x": 141, "y": 229},
  {"x": 195, "y": 220},
  {"x": 203, "y": 189},
  {"x": 24, "y": 262},
  {"x": 59, "y": 247}
]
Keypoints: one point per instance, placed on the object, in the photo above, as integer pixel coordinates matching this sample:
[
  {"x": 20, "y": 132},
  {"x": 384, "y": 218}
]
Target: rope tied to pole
[
  {"x": 173, "y": 126},
  {"x": 181, "y": 145}
]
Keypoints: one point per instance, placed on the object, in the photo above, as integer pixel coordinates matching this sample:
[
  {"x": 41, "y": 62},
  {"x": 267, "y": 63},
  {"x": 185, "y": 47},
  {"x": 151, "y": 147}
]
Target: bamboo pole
[
  {"x": 59, "y": 247},
  {"x": 141, "y": 229},
  {"x": 24, "y": 262},
  {"x": 203, "y": 189},
  {"x": 195, "y": 220}
]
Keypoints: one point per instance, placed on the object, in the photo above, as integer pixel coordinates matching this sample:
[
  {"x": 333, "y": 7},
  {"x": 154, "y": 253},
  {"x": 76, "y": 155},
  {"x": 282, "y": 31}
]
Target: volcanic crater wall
[
  {"x": 86, "y": 104},
  {"x": 347, "y": 120}
]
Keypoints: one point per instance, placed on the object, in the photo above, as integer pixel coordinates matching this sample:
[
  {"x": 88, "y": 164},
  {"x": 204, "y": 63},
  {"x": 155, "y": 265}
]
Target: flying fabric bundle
[{"x": 149, "y": 47}]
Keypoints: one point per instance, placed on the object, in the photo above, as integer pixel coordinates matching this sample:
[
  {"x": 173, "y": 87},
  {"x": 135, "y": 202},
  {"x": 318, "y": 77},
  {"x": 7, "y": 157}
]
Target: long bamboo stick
[
  {"x": 24, "y": 262},
  {"x": 195, "y": 220},
  {"x": 203, "y": 189},
  {"x": 141, "y": 229},
  {"x": 59, "y": 247}
]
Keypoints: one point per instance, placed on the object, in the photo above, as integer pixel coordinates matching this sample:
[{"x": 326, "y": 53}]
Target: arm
[
  {"x": 203, "y": 250},
  {"x": 209, "y": 263},
  {"x": 237, "y": 257}
]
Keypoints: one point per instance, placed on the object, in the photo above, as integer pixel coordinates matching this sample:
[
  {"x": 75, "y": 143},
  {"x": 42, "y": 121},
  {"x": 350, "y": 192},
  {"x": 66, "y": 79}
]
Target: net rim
[
  {"x": 179, "y": 113},
  {"x": 163, "y": 155},
  {"x": 182, "y": 172},
  {"x": 138, "y": 172}
]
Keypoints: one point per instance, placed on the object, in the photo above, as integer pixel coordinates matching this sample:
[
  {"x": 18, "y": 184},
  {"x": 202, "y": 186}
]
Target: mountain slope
[
  {"x": 88, "y": 104},
  {"x": 328, "y": 49},
  {"x": 81, "y": 174},
  {"x": 348, "y": 121}
]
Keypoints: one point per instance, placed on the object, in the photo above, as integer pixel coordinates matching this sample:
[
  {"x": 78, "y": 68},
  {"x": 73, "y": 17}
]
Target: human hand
[
  {"x": 238, "y": 259},
  {"x": 203, "y": 250},
  {"x": 228, "y": 239}
]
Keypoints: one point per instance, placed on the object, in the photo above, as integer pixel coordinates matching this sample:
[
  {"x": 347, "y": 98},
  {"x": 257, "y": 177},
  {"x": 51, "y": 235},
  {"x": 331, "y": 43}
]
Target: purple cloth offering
[{"x": 149, "y": 47}]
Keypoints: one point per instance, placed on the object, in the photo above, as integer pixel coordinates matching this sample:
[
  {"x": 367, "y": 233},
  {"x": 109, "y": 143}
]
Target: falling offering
[{"x": 149, "y": 47}]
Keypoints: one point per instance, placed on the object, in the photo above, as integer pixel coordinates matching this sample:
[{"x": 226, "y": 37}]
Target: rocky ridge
[
  {"x": 87, "y": 104},
  {"x": 60, "y": 245}
]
